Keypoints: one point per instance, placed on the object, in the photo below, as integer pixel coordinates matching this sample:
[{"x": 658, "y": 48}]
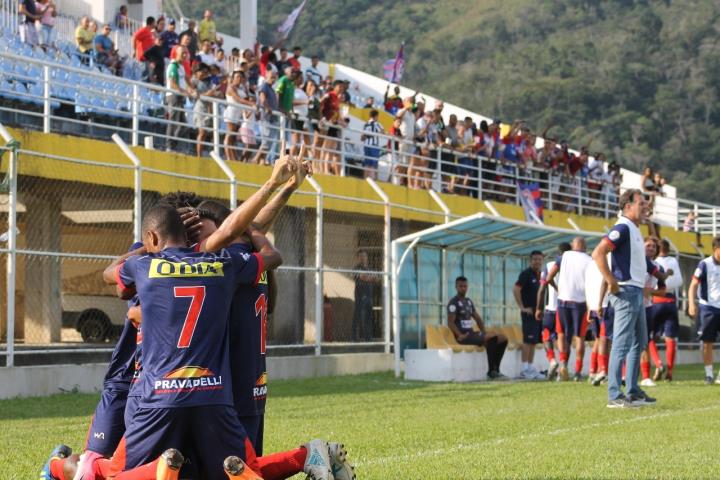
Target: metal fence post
[
  {"x": 216, "y": 129},
  {"x": 387, "y": 234},
  {"x": 714, "y": 222},
  {"x": 444, "y": 271},
  {"x": 135, "y": 138},
  {"x": 231, "y": 176},
  {"x": 137, "y": 205},
  {"x": 318, "y": 265},
  {"x": 12, "y": 244},
  {"x": 46, "y": 99},
  {"x": 342, "y": 154}
]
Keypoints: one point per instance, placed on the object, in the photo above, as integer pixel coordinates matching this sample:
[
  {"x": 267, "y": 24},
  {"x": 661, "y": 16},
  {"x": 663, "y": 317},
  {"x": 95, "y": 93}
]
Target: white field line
[{"x": 502, "y": 440}]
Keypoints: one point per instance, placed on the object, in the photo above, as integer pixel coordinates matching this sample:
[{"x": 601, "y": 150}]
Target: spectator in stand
[
  {"x": 447, "y": 155},
  {"x": 427, "y": 137},
  {"x": 286, "y": 96},
  {"x": 330, "y": 110},
  {"x": 295, "y": 59},
  {"x": 283, "y": 62},
  {"x": 207, "y": 31},
  {"x": 143, "y": 39},
  {"x": 267, "y": 104},
  {"x": 253, "y": 73},
  {"x": 220, "y": 62},
  {"x": 122, "y": 22},
  {"x": 362, "y": 324},
  {"x": 299, "y": 115},
  {"x": 105, "y": 53},
  {"x": 186, "y": 63},
  {"x": 236, "y": 94},
  {"x": 155, "y": 61},
  {"x": 169, "y": 38},
  {"x": 48, "y": 12},
  {"x": 159, "y": 27},
  {"x": 206, "y": 54},
  {"x": 345, "y": 95},
  {"x": 369, "y": 103},
  {"x": 312, "y": 72},
  {"x": 406, "y": 162},
  {"x": 234, "y": 59},
  {"x": 28, "y": 32},
  {"x": 192, "y": 46},
  {"x": 371, "y": 145},
  {"x": 466, "y": 163},
  {"x": 202, "y": 110},
  {"x": 314, "y": 116},
  {"x": 178, "y": 89},
  {"x": 83, "y": 39},
  {"x": 267, "y": 60},
  {"x": 595, "y": 177},
  {"x": 392, "y": 103}
]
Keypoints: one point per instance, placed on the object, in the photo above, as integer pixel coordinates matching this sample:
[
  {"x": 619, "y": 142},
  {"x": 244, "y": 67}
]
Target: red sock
[
  {"x": 645, "y": 369},
  {"x": 593, "y": 362},
  {"x": 278, "y": 466},
  {"x": 624, "y": 370},
  {"x": 603, "y": 361},
  {"x": 670, "y": 350},
  {"x": 550, "y": 354},
  {"x": 564, "y": 357},
  {"x": 143, "y": 472},
  {"x": 578, "y": 363},
  {"x": 57, "y": 467},
  {"x": 101, "y": 468},
  {"x": 652, "y": 347}
]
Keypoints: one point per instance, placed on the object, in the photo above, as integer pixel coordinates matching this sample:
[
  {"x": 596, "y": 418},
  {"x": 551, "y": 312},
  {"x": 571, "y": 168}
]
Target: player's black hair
[
  {"x": 460, "y": 279},
  {"x": 564, "y": 247},
  {"x": 215, "y": 211},
  {"x": 536, "y": 252},
  {"x": 664, "y": 246},
  {"x": 181, "y": 199},
  {"x": 165, "y": 220},
  {"x": 716, "y": 242}
]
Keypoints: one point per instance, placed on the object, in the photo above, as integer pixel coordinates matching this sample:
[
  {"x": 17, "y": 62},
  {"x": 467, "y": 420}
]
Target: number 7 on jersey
[{"x": 198, "y": 297}]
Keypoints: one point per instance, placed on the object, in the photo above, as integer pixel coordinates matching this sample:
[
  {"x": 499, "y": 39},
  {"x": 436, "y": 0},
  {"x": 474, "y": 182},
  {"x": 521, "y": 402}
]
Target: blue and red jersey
[
  {"x": 185, "y": 301},
  {"x": 248, "y": 326}
]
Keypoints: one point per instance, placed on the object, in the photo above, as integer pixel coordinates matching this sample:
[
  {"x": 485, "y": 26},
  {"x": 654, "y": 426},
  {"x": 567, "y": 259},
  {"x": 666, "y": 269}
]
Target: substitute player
[
  {"x": 525, "y": 292},
  {"x": 665, "y": 311},
  {"x": 705, "y": 289},
  {"x": 653, "y": 287},
  {"x": 593, "y": 286},
  {"x": 548, "y": 318},
  {"x": 572, "y": 309}
]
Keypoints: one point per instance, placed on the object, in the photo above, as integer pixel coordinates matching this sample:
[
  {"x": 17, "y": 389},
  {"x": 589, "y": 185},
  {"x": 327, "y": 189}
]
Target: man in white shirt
[
  {"x": 572, "y": 308},
  {"x": 665, "y": 310},
  {"x": 206, "y": 54}
]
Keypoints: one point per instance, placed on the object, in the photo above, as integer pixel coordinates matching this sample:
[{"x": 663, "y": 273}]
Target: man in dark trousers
[
  {"x": 461, "y": 314},
  {"x": 525, "y": 293},
  {"x": 362, "y": 325}
]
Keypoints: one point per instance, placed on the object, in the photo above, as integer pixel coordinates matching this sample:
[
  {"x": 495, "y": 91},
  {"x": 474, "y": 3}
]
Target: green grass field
[{"x": 396, "y": 429}]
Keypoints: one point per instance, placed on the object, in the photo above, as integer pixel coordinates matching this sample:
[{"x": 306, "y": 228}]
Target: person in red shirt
[
  {"x": 185, "y": 40},
  {"x": 294, "y": 61},
  {"x": 267, "y": 56},
  {"x": 330, "y": 111},
  {"x": 143, "y": 39}
]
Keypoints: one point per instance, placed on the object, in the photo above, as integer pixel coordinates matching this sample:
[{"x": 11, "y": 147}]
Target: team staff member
[
  {"x": 526, "y": 293},
  {"x": 705, "y": 286},
  {"x": 461, "y": 314}
]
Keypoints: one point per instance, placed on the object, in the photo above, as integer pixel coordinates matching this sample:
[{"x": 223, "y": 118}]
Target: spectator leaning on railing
[
  {"x": 185, "y": 41},
  {"x": 48, "y": 12},
  {"x": 84, "y": 38},
  {"x": 236, "y": 94},
  {"x": 267, "y": 104},
  {"x": 28, "y": 32},
  {"x": 371, "y": 145},
  {"x": 407, "y": 148},
  {"x": 192, "y": 40},
  {"x": 202, "y": 110},
  {"x": 312, "y": 72},
  {"x": 178, "y": 89}
]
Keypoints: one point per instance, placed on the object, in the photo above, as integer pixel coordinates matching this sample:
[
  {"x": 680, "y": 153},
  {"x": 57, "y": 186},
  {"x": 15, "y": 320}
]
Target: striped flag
[
  {"x": 393, "y": 69},
  {"x": 287, "y": 26},
  {"x": 529, "y": 194}
]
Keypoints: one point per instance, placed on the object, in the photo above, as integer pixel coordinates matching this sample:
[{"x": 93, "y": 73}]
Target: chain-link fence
[{"x": 72, "y": 216}]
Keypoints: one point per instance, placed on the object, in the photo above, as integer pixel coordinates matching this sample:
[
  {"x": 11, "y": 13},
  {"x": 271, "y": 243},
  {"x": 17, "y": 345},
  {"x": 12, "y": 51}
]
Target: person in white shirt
[
  {"x": 654, "y": 287},
  {"x": 206, "y": 54},
  {"x": 665, "y": 310},
  {"x": 572, "y": 309},
  {"x": 299, "y": 128},
  {"x": 593, "y": 285},
  {"x": 371, "y": 145},
  {"x": 406, "y": 147}
]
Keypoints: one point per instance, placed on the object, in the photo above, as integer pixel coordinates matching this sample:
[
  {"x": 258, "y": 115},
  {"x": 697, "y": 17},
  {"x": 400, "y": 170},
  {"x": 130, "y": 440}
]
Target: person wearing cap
[
  {"x": 105, "y": 53},
  {"x": 169, "y": 38}
]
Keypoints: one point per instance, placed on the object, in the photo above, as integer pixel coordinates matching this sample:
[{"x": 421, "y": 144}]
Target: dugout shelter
[{"x": 489, "y": 250}]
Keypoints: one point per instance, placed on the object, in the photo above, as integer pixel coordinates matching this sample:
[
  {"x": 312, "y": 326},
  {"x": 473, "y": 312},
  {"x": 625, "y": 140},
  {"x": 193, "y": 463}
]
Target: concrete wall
[{"x": 52, "y": 379}]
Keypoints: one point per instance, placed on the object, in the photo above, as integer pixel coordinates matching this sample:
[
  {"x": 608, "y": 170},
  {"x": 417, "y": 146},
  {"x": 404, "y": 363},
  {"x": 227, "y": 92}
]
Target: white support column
[
  {"x": 444, "y": 259},
  {"x": 47, "y": 111},
  {"x": 12, "y": 246},
  {"x": 216, "y": 128},
  {"x": 387, "y": 253},
  {"x": 137, "y": 207},
  {"x": 231, "y": 176},
  {"x": 248, "y": 23},
  {"x": 395, "y": 272},
  {"x": 318, "y": 265}
]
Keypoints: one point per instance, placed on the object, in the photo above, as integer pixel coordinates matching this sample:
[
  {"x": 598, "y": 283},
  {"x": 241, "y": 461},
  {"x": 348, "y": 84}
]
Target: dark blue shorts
[
  {"x": 650, "y": 322},
  {"x": 608, "y": 318},
  {"x": 666, "y": 322},
  {"x": 467, "y": 166},
  {"x": 708, "y": 323},
  {"x": 595, "y": 323},
  {"x": 254, "y": 427},
  {"x": 531, "y": 329},
  {"x": 548, "y": 326},
  {"x": 571, "y": 318},
  {"x": 130, "y": 407},
  {"x": 371, "y": 157},
  {"x": 208, "y": 434},
  {"x": 108, "y": 424}
]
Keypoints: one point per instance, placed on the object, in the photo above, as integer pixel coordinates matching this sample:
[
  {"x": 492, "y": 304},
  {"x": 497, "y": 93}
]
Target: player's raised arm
[
  {"x": 109, "y": 273},
  {"x": 239, "y": 220}
]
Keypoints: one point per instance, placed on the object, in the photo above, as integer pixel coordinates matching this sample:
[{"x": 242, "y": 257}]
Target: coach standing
[
  {"x": 625, "y": 282},
  {"x": 525, "y": 293}
]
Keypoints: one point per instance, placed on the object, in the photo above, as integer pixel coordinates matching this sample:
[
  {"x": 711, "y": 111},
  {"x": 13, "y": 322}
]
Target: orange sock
[
  {"x": 143, "y": 472},
  {"x": 578, "y": 363},
  {"x": 645, "y": 369},
  {"x": 670, "y": 350},
  {"x": 624, "y": 370},
  {"x": 278, "y": 466},
  {"x": 57, "y": 468},
  {"x": 593, "y": 362},
  {"x": 603, "y": 361},
  {"x": 550, "y": 354},
  {"x": 564, "y": 357},
  {"x": 652, "y": 348}
]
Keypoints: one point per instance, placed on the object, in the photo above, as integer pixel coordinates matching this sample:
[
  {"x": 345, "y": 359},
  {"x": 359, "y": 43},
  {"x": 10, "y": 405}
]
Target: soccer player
[
  {"x": 705, "y": 286},
  {"x": 593, "y": 285},
  {"x": 625, "y": 277},
  {"x": 571, "y": 310},
  {"x": 461, "y": 315},
  {"x": 665, "y": 310},
  {"x": 525, "y": 292},
  {"x": 549, "y": 335},
  {"x": 653, "y": 287},
  {"x": 606, "y": 315}
]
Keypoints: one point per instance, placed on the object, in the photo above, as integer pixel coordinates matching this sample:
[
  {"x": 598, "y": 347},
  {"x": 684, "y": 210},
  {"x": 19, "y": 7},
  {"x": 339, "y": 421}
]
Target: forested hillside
[{"x": 640, "y": 77}]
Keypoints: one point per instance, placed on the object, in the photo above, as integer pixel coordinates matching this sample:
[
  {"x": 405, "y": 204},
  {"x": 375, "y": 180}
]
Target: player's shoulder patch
[
  {"x": 614, "y": 235},
  {"x": 452, "y": 307}
]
